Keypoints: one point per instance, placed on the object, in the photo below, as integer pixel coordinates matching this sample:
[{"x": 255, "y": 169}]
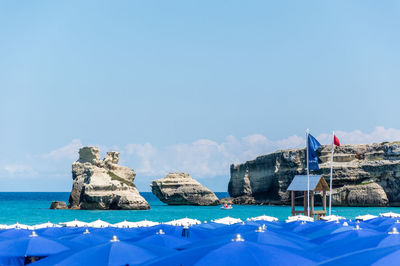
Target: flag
[
  {"x": 336, "y": 140},
  {"x": 313, "y": 146}
]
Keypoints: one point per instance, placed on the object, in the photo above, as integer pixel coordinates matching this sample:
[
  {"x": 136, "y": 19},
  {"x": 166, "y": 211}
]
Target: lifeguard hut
[{"x": 317, "y": 183}]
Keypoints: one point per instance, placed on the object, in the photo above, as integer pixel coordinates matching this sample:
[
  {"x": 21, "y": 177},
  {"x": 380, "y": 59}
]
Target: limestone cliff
[
  {"x": 363, "y": 175},
  {"x": 103, "y": 184},
  {"x": 181, "y": 189}
]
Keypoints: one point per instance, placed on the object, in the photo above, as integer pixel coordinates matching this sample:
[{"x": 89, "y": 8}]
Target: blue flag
[{"x": 313, "y": 145}]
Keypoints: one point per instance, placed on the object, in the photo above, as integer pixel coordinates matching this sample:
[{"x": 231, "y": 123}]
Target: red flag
[{"x": 336, "y": 140}]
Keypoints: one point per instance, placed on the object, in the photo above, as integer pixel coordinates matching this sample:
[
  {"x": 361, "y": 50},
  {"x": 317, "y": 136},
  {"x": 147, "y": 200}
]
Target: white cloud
[
  {"x": 20, "y": 169},
  {"x": 69, "y": 151},
  {"x": 379, "y": 134},
  {"x": 201, "y": 158},
  {"x": 207, "y": 158}
]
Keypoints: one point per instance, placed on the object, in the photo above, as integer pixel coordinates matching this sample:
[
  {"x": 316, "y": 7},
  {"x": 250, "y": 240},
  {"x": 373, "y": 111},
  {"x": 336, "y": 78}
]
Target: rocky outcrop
[
  {"x": 363, "y": 175},
  {"x": 103, "y": 184},
  {"x": 364, "y": 194},
  {"x": 242, "y": 200},
  {"x": 181, "y": 189},
  {"x": 58, "y": 205}
]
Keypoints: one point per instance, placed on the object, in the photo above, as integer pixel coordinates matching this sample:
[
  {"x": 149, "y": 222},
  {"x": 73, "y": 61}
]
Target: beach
[{"x": 261, "y": 240}]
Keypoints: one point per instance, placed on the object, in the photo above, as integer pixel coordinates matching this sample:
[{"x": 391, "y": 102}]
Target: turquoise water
[{"x": 33, "y": 207}]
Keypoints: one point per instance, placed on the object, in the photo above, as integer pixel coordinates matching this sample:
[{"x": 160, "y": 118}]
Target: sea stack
[
  {"x": 181, "y": 189},
  {"x": 363, "y": 175},
  {"x": 58, "y": 205},
  {"x": 103, "y": 184}
]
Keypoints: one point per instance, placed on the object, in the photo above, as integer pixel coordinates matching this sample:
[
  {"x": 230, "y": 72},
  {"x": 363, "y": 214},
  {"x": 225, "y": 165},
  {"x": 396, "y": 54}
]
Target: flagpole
[
  {"x": 308, "y": 175},
  {"x": 330, "y": 180}
]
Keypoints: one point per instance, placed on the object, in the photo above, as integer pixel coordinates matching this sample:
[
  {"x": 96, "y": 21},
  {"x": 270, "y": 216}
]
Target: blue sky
[{"x": 188, "y": 85}]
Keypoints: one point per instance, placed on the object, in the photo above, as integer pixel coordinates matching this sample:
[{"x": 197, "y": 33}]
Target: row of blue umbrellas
[{"x": 344, "y": 242}]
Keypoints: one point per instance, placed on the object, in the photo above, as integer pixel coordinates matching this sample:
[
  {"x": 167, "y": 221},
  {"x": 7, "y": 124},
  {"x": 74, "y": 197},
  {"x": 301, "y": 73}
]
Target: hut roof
[{"x": 299, "y": 183}]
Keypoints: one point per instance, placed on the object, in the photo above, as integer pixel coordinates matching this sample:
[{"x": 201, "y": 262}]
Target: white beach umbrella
[
  {"x": 99, "y": 224},
  {"x": 365, "y": 217},
  {"x": 43, "y": 225},
  {"x": 17, "y": 226},
  {"x": 184, "y": 222},
  {"x": 332, "y": 218},
  {"x": 264, "y": 218},
  {"x": 299, "y": 218},
  {"x": 75, "y": 223},
  {"x": 125, "y": 224},
  {"x": 390, "y": 214},
  {"x": 145, "y": 223},
  {"x": 228, "y": 220}
]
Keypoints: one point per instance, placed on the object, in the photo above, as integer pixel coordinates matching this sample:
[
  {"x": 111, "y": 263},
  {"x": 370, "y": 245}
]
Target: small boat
[{"x": 226, "y": 207}]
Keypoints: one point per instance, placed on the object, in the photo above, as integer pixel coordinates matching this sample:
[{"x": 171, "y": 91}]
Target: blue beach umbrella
[
  {"x": 54, "y": 259},
  {"x": 345, "y": 246},
  {"x": 113, "y": 252},
  {"x": 14, "y": 233},
  {"x": 60, "y": 232},
  {"x": 380, "y": 221},
  {"x": 362, "y": 224},
  {"x": 192, "y": 233},
  {"x": 340, "y": 230},
  {"x": 12, "y": 260},
  {"x": 195, "y": 233},
  {"x": 160, "y": 239},
  {"x": 236, "y": 252},
  {"x": 260, "y": 236},
  {"x": 375, "y": 256},
  {"x": 252, "y": 226},
  {"x": 387, "y": 227},
  {"x": 32, "y": 245},
  {"x": 264, "y": 236},
  {"x": 87, "y": 239},
  {"x": 121, "y": 233},
  {"x": 273, "y": 226},
  {"x": 293, "y": 225},
  {"x": 168, "y": 229},
  {"x": 282, "y": 230},
  {"x": 210, "y": 225},
  {"x": 349, "y": 234},
  {"x": 301, "y": 227},
  {"x": 237, "y": 228},
  {"x": 323, "y": 229}
]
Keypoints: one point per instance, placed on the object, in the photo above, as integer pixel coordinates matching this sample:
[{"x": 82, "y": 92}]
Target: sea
[{"x": 33, "y": 208}]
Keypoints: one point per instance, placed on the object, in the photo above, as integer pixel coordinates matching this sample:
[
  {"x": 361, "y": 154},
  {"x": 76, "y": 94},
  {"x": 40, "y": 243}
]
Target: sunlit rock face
[
  {"x": 363, "y": 175},
  {"x": 103, "y": 184},
  {"x": 181, "y": 189}
]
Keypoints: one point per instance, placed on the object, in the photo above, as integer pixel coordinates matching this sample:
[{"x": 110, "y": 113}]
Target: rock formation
[
  {"x": 181, "y": 189},
  {"x": 363, "y": 175},
  {"x": 103, "y": 184},
  {"x": 58, "y": 205}
]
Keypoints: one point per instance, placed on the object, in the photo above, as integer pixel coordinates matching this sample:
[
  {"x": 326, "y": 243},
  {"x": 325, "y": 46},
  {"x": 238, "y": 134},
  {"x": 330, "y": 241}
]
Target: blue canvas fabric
[
  {"x": 110, "y": 253},
  {"x": 31, "y": 246},
  {"x": 296, "y": 243},
  {"x": 346, "y": 235},
  {"x": 60, "y": 232},
  {"x": 14, "y": 233},
  {"x": 237, "y": 253},
  {"x": 163, "y": 240},
  {"x": 376, "y": 256},
  {"x": 346, "y": 246},
  {"x": 313, "y": 146},
  {"x": 12, "y": 261}
]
